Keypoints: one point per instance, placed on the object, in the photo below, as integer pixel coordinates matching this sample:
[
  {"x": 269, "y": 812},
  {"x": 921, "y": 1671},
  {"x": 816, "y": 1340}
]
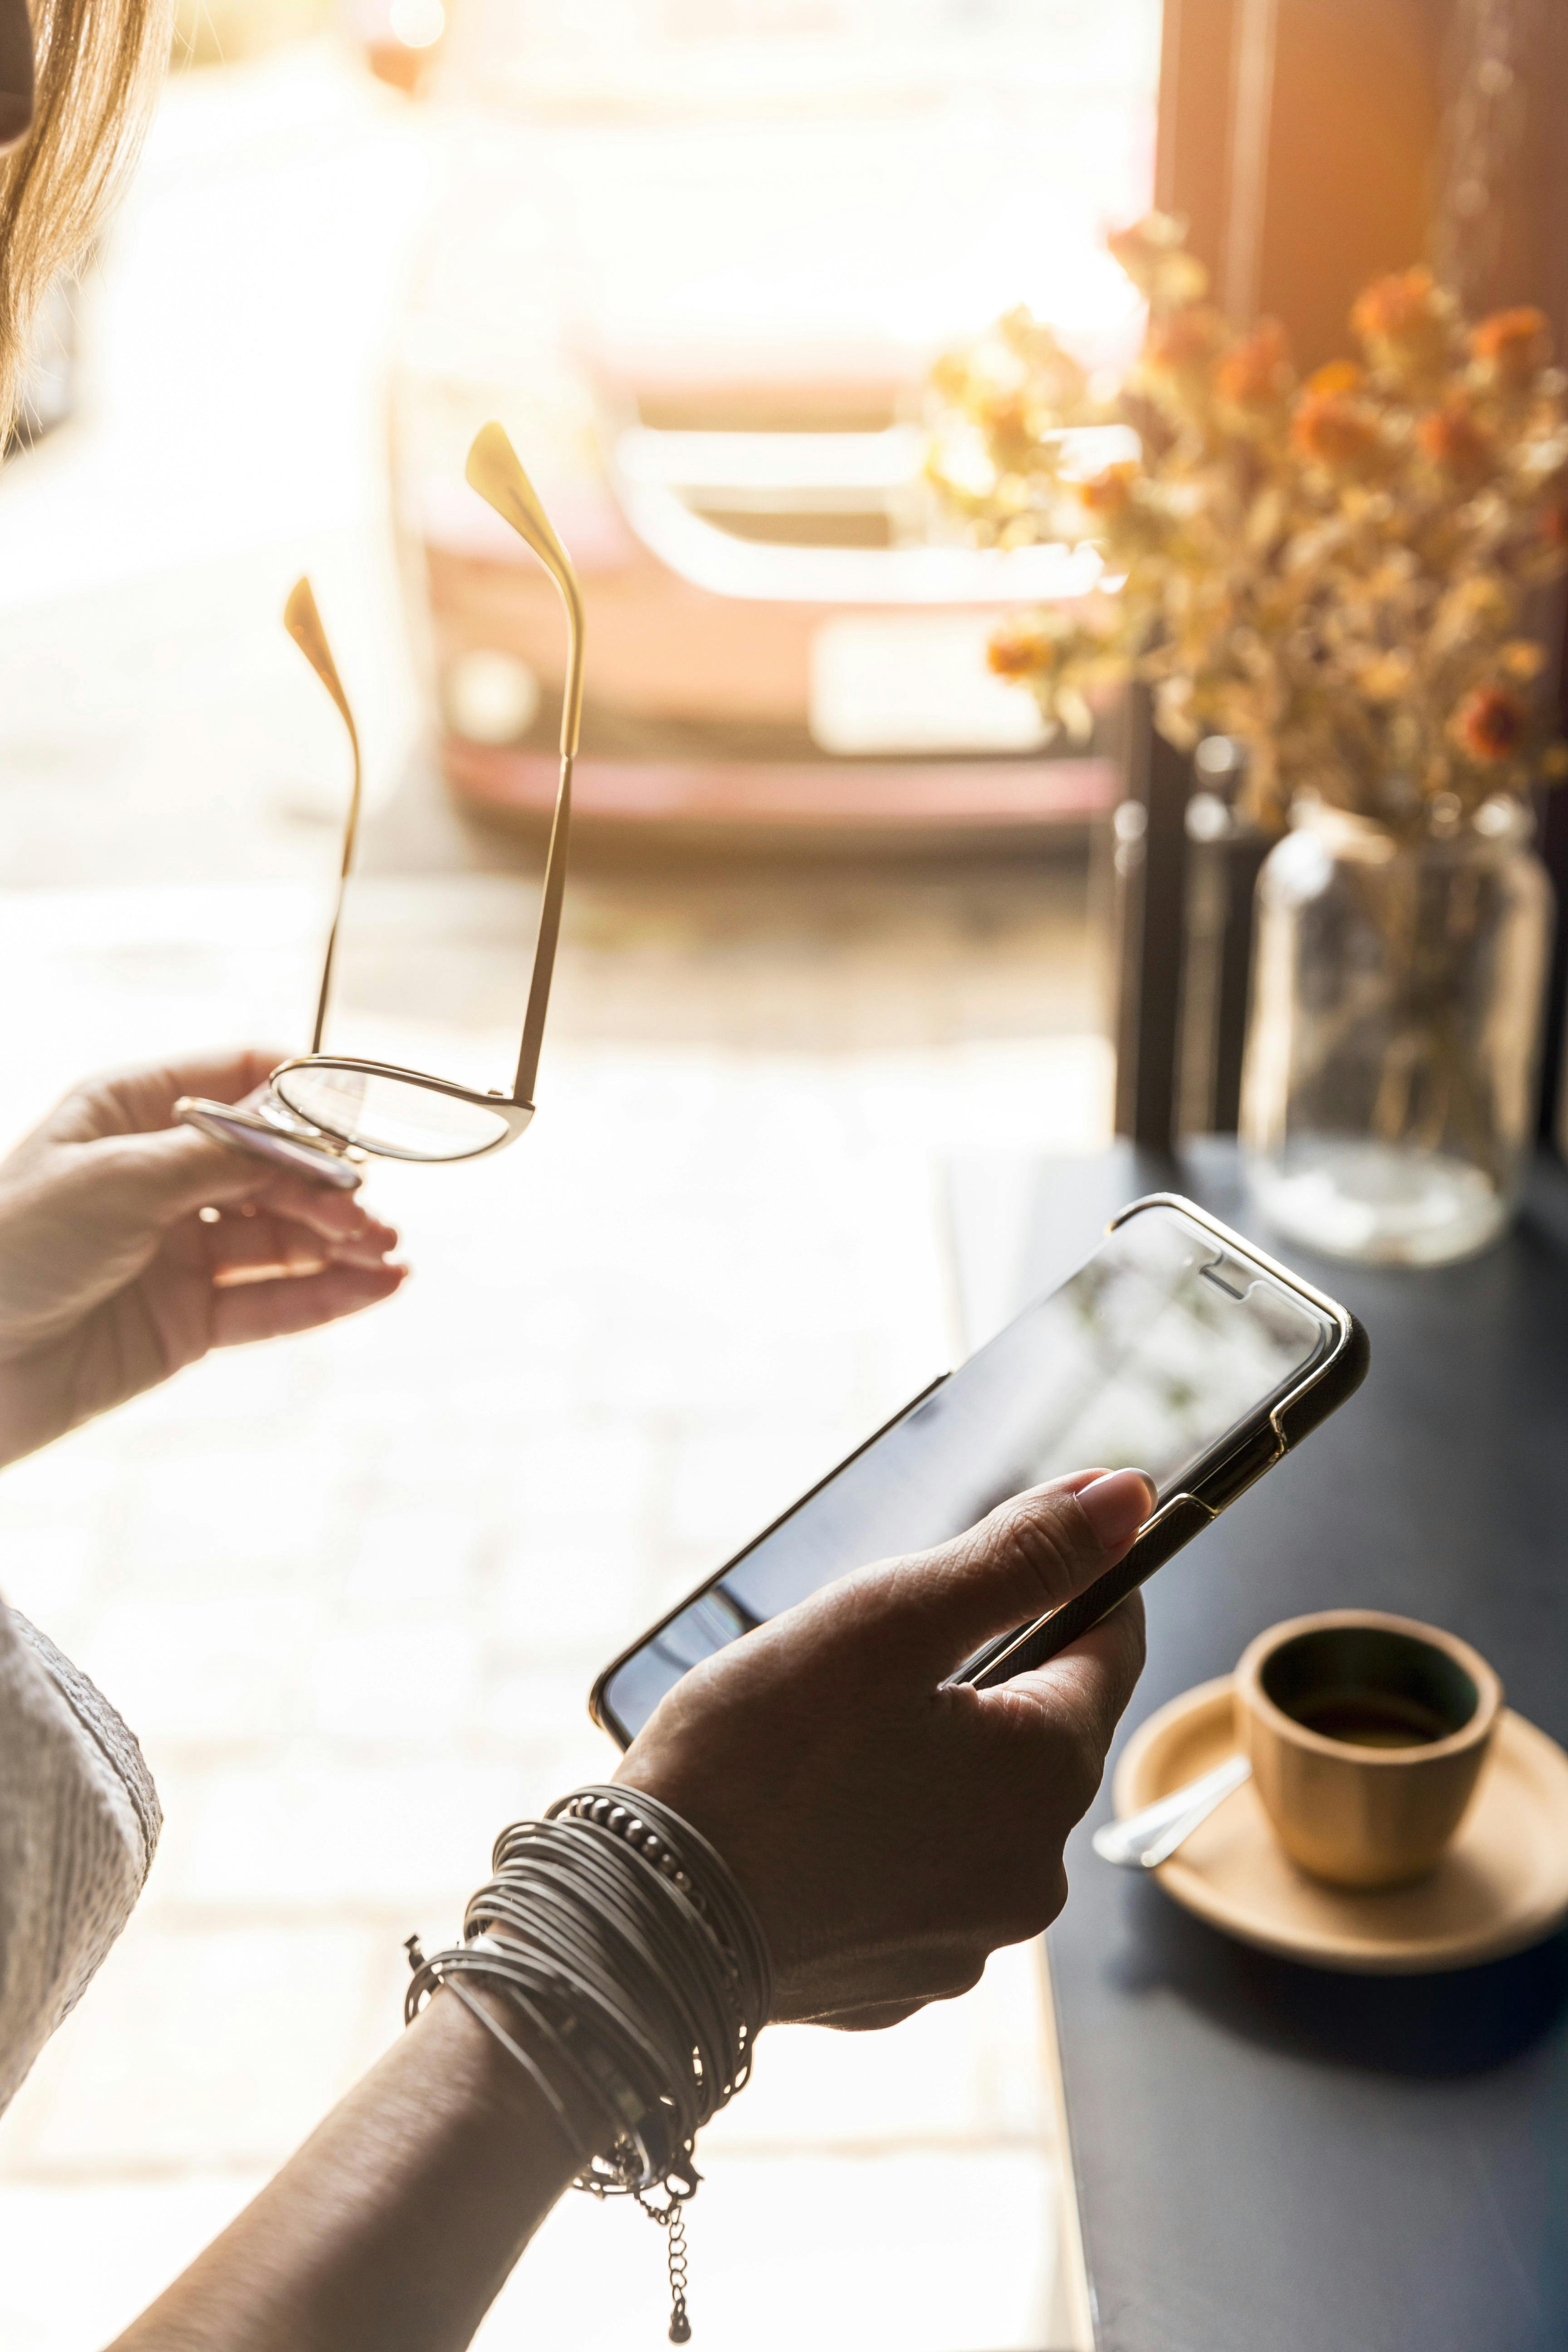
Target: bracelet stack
[{"x": 640, "y": 1973}]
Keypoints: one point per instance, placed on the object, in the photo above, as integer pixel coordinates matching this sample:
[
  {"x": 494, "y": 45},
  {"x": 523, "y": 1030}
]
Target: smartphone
[{"x": 1177, "y": 1349}]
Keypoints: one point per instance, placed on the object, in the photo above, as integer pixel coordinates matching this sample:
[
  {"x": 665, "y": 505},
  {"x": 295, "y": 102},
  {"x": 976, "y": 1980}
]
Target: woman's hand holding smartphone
[
  {"x": 893, "y": 1827},
  {"x": 1178, "y": 1347}
]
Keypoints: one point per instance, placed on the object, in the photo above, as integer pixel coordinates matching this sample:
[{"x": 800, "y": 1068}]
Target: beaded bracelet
[{"x": 623, "y": 1940}]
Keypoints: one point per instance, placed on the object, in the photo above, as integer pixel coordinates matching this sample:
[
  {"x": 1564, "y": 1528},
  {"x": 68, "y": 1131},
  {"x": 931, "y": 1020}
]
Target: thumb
[{"x": 1024, "y": 1560}]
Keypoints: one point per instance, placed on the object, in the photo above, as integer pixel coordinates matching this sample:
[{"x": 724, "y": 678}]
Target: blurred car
[{"x": 700, "y": 280}]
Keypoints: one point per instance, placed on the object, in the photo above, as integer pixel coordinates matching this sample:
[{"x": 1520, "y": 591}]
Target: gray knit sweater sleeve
[{"x": 79, "y": 1824}]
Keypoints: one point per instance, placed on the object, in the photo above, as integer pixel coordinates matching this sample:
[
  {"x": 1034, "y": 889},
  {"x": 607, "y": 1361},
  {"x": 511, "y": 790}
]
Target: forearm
[{"x": 396, "y": 2223}]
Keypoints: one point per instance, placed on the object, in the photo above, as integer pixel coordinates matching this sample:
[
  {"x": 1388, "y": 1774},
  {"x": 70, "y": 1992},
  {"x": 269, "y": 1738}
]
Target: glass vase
[{"x": 1398, "y": 985}]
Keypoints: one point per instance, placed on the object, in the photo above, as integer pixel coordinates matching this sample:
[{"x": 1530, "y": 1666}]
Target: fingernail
[{"x": 1117, "y": 1506}]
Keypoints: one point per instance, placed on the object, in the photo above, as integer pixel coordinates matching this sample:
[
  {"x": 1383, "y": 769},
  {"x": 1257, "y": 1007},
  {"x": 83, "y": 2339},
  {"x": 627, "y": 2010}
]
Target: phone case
[{"x": 1219, "y": 1479}]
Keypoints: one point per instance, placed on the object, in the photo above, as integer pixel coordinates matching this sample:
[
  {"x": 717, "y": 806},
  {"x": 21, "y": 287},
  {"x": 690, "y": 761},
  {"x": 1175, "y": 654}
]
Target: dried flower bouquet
[{"x": 1344, "y": 573}]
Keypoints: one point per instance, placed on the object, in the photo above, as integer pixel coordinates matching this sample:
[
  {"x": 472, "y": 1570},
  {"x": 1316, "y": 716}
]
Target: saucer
[{"x": 1500, "y": 1885}]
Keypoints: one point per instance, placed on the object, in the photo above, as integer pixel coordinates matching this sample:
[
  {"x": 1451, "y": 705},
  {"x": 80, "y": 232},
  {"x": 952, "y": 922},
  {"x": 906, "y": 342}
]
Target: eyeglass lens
[{"x": 393, "y": 1115}]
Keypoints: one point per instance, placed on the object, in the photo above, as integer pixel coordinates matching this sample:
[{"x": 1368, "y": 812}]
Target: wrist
[{"x": 497, "y": 2098}]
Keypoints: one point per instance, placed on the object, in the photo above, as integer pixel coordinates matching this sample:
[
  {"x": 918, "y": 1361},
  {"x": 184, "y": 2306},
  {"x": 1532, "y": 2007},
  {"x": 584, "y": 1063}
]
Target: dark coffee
[
  {"x": 1370, "y": 1687},
  {"x": 1370, "y": 1718}
]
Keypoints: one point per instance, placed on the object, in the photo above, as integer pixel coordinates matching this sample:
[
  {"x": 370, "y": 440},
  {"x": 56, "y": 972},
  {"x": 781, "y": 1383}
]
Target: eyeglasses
[{"x": 322, "y": 1105}]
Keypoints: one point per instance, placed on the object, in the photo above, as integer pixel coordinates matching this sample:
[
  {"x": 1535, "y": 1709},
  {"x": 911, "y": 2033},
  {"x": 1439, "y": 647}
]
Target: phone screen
[{"x": 1157, "y": 1349}]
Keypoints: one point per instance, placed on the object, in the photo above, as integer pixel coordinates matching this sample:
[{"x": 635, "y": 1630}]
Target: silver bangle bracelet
[{"x": 624, "y": 1944}]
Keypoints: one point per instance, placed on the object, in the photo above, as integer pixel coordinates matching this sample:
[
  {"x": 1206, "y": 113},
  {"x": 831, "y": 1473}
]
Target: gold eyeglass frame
[{"x": 494, "y": 470}]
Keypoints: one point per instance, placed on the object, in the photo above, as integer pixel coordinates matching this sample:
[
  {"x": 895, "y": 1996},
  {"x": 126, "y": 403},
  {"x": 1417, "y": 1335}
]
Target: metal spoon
[{"x": 1144, "y": 1840}]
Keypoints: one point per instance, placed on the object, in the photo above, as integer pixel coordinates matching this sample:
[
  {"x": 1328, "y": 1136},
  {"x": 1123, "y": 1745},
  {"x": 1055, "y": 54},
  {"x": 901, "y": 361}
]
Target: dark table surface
[{"x": 1272, "y": 2159}]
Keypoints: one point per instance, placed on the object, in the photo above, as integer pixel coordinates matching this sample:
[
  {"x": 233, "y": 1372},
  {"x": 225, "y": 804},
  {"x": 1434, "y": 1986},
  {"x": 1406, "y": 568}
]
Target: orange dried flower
[
  {"x": 1404, "y": 319},
  {"x": 1490, "y": 724},
  {"x": 1336, "y": 375},
  {"x": 1019, "y": 651},
  {"x": 1255, "y": 374},
  {"x": 1454, "y": 438},
  {"x": 1512, "y": 345},
  {"x": 1109, "y": 493},
  {"x": 1335, "y": 431},
  {"x": 1185, "y": 341},
  {"x": 1395, "y": 306}
]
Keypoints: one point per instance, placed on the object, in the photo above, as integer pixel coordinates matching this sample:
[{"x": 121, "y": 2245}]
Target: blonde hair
[{"x": 96, "y": 68}]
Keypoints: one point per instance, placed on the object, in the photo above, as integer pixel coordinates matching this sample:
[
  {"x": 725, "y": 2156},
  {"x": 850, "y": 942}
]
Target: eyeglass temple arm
[
  {"x": 303, "y": 622},
  {"x": 494, "y": 469}
]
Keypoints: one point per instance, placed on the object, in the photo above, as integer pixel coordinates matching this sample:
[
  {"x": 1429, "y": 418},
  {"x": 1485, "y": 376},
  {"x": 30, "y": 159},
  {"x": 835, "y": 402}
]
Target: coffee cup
[{"x": 1366, "y": 1735}]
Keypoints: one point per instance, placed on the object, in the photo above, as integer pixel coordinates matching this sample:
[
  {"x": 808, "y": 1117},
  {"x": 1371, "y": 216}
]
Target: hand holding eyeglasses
[
  {"x": 321, "y": 1107},
  {"x": 130, "y": 1245}
]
